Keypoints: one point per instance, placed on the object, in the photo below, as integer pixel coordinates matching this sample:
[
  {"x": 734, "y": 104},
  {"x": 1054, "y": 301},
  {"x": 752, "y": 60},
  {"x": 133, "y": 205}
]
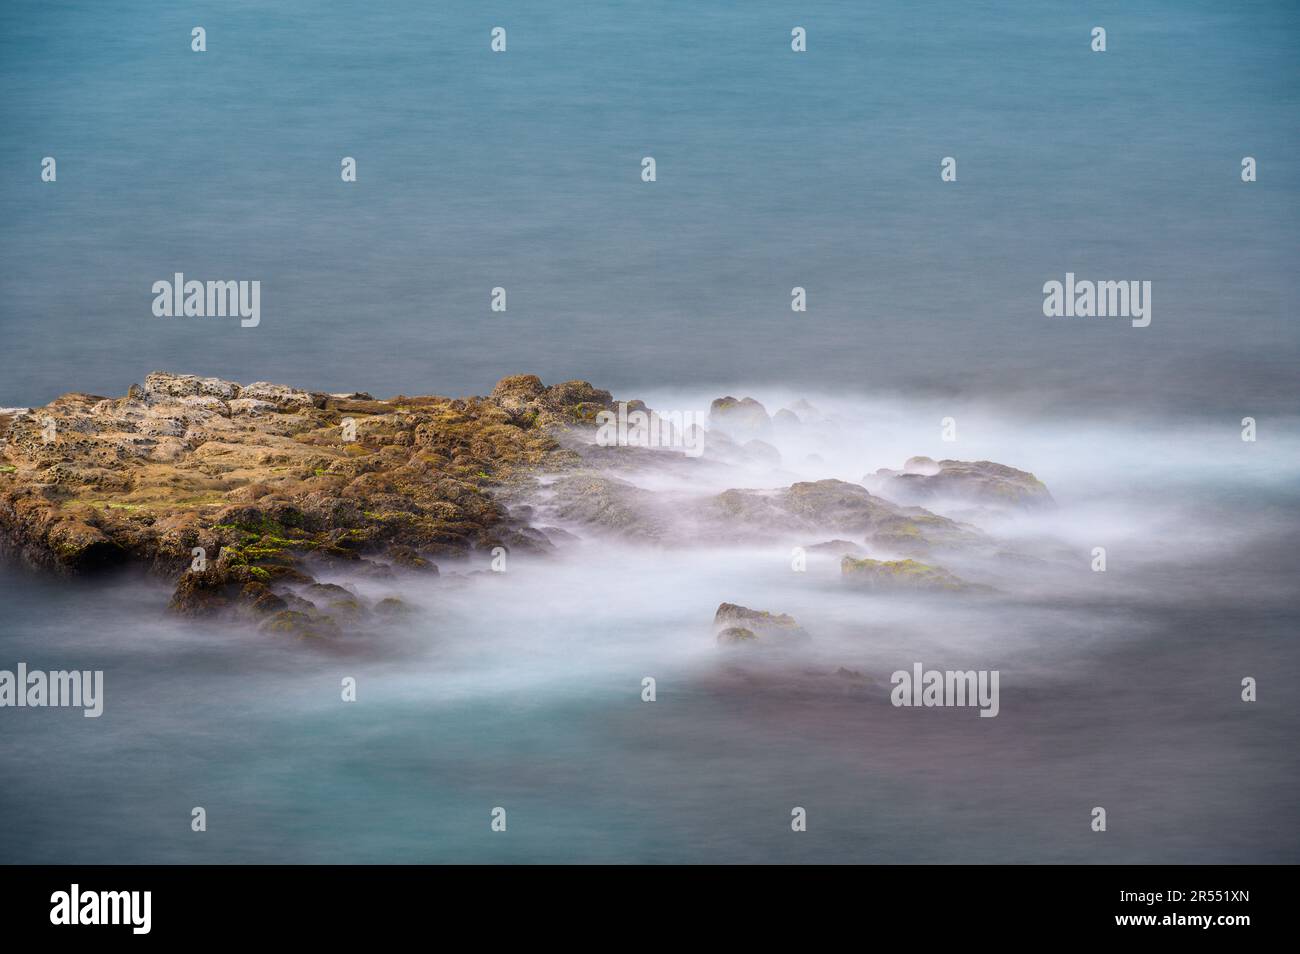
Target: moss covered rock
[{"x": 901, "y": 575}]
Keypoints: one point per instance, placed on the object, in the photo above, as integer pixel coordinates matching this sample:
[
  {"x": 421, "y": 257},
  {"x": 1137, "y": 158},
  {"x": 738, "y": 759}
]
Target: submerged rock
[
  {"x": 902, "y": 575},
  {"x": 834, "y": 506},
  {"x": 981, "y": 482},
  {"x": 740, "y": 624},
  {"x": 786, "y": 420},
  {"x": 301, "y": 625},
  {"x": 742, "y": 419},
  {"x": 736, "y": 634},
  {"x": 835, "y": 547},
  {"x": 610, "y": 504}
]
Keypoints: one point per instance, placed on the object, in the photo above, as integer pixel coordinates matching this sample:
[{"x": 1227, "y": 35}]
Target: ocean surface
[{"x": 775, "y": 169}]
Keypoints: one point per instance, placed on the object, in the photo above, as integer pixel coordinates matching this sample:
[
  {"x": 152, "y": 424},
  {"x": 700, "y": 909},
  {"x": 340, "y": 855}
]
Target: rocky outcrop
[
  {"x": 835, "y": 506},
  {"x": 978, "y": 482},
  {"x": 614, "y": 506},
  {"x": 245, "y": 495},
  {"x": 611, "y": 505},
  {"x": 834, "y": 547},
  {"x": 735, "y": 624},
  {"x": 902, "y": 575},
  {"x": 744, "y": 419},
  {"x": 238, "y": 491}
]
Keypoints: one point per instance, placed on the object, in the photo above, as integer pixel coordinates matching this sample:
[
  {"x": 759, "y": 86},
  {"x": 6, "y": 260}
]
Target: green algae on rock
[
  {"x": 740, "y": 624},
  {"x": 233, "y": 489},
  {"x": 902, "y": 575},
  {"x": 980, "y": 482}
]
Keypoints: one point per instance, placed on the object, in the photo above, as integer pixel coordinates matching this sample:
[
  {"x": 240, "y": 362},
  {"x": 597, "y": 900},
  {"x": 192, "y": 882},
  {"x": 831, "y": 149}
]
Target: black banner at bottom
[{"x": 337, "y": 903}]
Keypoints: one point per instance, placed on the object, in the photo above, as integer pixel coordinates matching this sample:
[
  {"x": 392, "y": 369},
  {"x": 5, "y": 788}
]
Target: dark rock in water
[
  {"x": 835, "y": 547},
  {"x": 393, "y": 608},
  {"x": 902, "y": 575},
  {"x": 222, "y": 587},
  {"x": 301, "y": 625},
  {"x": 260, "y": 599},
  {"x": 720, "y": 447},
  {"x": 736, "y": 634},
  {"x": 835, "y": 503},
  {"x": 742, "y": 419},
  {"x": 761, "y": 452},
  {"x": 559, "y": 536},
  {"x": 834, "y": 506},
  {"x": 981, "y": 482},
  {"x": 271, "y": 476},
  {"x": 410, "y": 558},
  {"x": 737, "y": 624},
  {"x": 785, "y": 419},
  {"x": 805, "y": 410},
  {"x": 610, "y": 504}
]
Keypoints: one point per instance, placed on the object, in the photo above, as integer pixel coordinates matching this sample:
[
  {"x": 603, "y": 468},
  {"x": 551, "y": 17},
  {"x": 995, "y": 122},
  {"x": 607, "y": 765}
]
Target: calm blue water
[{"x": 775, "y": 170}]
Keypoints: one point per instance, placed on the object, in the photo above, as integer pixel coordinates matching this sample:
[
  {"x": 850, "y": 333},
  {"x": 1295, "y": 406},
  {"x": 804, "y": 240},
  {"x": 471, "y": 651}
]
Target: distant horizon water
[{"x": 775, "y": 170}]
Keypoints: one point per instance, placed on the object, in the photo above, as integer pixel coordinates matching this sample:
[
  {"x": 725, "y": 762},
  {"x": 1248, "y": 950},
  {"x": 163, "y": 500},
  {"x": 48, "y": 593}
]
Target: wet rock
[
  {"x": 410, "y": 558},
  {"x": 738, "y": 624},
  {"x": 980, "y": 482},
  {"x": 805, "y": 411},
  {"x": 761, "y": 452},
  {"x": 902, "y": 575},
  {"x": 830, "y": 505},
  {"x": 392, "y": 608},
  {"x": 301, "y": 626},
  {"x": 742, "y": 419},
  {"x": 786, "y": 419},
  {"x": 835, "y": 547},
  {"x": 265, "y": 473},
  {"x": 736, "y": 634},
  {"x": 610, "y": 504},
  {"x": 223, "y": 588}
]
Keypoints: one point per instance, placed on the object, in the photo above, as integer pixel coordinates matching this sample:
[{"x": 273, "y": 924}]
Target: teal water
[{"x": 775, "y": 170}]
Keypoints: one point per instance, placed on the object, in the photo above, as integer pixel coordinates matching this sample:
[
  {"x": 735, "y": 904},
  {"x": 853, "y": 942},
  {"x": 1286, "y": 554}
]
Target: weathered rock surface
[
  {"x": 612, "y": 505},
  {"x": 238, "y": 490},
  {"x": 903, "y": 575},
  {"x": 740, "y": 624},
  {"x": 245, "y": 494},
  {"x": 835, "y": 547},
  {"x": 836, "y": 506},
  {"x": 982, "y": 482},
  {"x": 743, "y": 419}
]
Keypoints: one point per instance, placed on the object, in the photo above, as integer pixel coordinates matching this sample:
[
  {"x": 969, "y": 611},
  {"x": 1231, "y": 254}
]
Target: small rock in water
[{"x": 740, "y": 624}]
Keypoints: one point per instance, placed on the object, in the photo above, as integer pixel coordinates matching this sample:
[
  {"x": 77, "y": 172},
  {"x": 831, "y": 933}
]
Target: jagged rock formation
[
  {"x": 236, "y": 488},
  {"x": 836, "y": 506},
  {"x": 245, "y": 494},
  {"x": 980, "y": 482},
  {"x": 739, "y": 624},
  {"x": 742, "y": 419},
  {"x": 902, "y": 575}
]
